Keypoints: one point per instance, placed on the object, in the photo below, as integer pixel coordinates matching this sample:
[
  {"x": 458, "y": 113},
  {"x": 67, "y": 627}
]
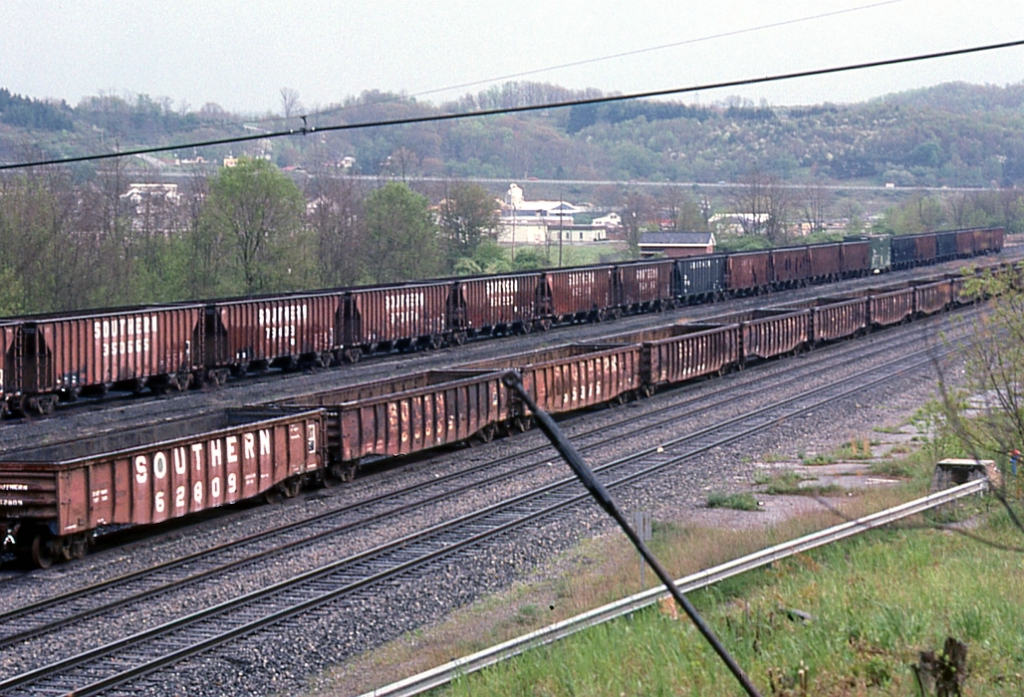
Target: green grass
[
  {"x": 791, "y": 483},
  {"x": 877, "y": 601},
  {"x": 740, "y": 501}
]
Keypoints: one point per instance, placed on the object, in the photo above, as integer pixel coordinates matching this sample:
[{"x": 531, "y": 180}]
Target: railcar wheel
[
  {"x": 42, "y": 551},
  {"x": 542, "y": 325},
  {"x": 523, "y": 423},
  {"x": 487, "y": 433},
  {"x": 353, "y": 355},
  {"x": 290, "y": 487}
]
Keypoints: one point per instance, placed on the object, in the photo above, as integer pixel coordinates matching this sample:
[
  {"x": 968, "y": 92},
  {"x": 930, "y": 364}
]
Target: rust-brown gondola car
[
  {"x": 495, "y": 304},
  {"x": 55, "y": 497},
  {"x": 408, "y": 414},
  {"x": 573, "y": 376},
  {"x": 676, "y": 353},
  {"x": 856, "y": 258},
  {"x": 769, "y": 333}
]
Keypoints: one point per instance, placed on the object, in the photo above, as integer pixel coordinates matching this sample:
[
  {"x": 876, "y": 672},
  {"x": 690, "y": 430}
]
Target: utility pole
[{"x": 561, "y": 212}]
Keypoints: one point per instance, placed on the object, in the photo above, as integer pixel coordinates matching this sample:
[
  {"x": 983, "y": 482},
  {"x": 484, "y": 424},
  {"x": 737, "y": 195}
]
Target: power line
[{"x": 537, "y": 107}]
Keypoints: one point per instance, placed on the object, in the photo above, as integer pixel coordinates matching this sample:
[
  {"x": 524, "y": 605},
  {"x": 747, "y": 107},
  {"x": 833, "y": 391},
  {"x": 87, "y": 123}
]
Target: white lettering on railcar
[
  {"x": 197, "y": 455},
  {"x": 250, "y": 446},
  {"x": 215, "y": 457},
  {"x": 12, "y": 502},
  {"x": 281, "y": 322},
  {"x": 141, "y": 469},
  {"x": 100, "y": 495},
  {"x": 647, "y": 281},
  {"x": 124, "y": 335},
  {"x": 158, "y": 502},
  {"x": 264, "y": 442},
  {"x": 179, "y": 497},
  {"x": 232, "y": 483},
  {"x": 13, "y": 487},
  {"x": 404, "y": 308},
  {"x": 231, "y": 446},
  {"x": 160, "y": 465},
  {"x": 580, "y": 283},
  {"x": 502, "y": 292}
]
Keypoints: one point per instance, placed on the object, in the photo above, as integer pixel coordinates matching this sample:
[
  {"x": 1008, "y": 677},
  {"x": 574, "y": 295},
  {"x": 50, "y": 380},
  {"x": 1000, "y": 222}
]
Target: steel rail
[
  {"x": 195, "y": 576},
  {"x": 504, "y": 524},
  {"x": 442, "y": 675}
]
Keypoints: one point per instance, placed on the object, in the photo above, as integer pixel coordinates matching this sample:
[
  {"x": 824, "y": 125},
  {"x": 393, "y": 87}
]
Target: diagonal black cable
[{"x": 537, "y": 107}]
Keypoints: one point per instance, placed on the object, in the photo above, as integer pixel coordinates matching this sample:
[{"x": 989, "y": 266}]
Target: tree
[
  {"x": 399, "y": 235},
  {"x": 290, "y": 103},
  {"x": 468, "y": 214},
  {"x": 639, "y": 208},
  {"x": 762, "y": 203},
  {"x": 255, "y": 213},
  {"x": 334, "y": 213},
  {"x": 816, "y": 204}
]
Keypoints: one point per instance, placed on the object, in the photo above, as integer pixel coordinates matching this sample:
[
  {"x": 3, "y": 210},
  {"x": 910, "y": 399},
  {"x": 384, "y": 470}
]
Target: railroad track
[
  {"x": 51, "y": 615},
  {"x": 111, "y": 415},
  {"x": 357, "y": 575}
]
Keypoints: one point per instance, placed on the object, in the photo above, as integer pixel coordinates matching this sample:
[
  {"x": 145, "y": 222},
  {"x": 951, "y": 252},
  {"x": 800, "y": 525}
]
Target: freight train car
[
  {"x": 56, "y": 357},
  {"x": 679, "y": 352},
  {"x": 645, "y": 286},
  {"x": 407, "y": 414},
  {"x": 747, "y": 273},
  {"x": 578, "y": 294},
  {"x": 395, "y": 317},
  {"x": 51, "y": 358},
  {"x": 700, "y": 278},
  {"x": 259, "y": 333},
  {"x": 494, "y": 305},
  {"x": 53, "y": 499}
]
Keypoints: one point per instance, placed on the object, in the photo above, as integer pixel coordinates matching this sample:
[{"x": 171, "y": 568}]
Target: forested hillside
[{"x": 954, "y": 134}]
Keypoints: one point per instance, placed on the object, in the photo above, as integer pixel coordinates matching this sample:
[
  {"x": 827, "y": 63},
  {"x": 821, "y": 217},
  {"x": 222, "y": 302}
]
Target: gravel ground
[{"x": 283, "y": 659}]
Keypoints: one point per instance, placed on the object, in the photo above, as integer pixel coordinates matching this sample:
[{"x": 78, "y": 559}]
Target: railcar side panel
[
  {"x": 75, "y": 351},
  {"x": 498, "y": 301},
  {"x": 748, "y": 271},
  {"x": 930, "y": 298},
  {"x": 891, "y": 307},
  {"x": 925, "y": 248},
  {"x": 771, "y": 332},
  {"x": 396, "y": 315},
  {"x": 700, "y": 277},
  {"x": 580, "y": 293},
  {"x": 679, "y": 352},
  {"x": 573, "y": 376},
  {"x": 790, "y": 265},
  {"x": 645, "y": 284},
  {"x": 904, "y": 251},
  {"x": 409, "y": 414},
  {"x": 964, "y": 243},
  {"x": 272, "y": 329},
  {"x": 825, "y": 260},
  {"x": 945, "y": 246},
  {"x": 10, "y": 380},
  {"x": 855, "y": 257}
]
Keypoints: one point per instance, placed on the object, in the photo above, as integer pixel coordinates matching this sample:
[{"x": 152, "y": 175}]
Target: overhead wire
[{"x": 434, "y": 118}]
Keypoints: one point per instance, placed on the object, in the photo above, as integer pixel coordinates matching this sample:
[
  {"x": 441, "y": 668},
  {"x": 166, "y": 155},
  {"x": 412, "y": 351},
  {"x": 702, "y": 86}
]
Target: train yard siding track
[
  {"x": 444, "y": 674},
  {"x": 211, "y": 565},
  {"x": 357, "y": 580},
  {"x": 115, "y": 414}
]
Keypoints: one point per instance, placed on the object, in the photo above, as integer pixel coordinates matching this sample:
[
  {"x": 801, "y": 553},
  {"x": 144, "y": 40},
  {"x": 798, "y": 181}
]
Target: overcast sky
[{"x": 240, "y": 53}]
